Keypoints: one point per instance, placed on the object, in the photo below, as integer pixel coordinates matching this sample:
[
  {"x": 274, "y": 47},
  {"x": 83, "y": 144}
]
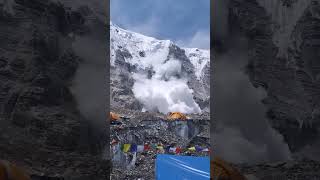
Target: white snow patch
[
  {"x": 154, "y": 51},
  {"x": 199, "y": 58}
]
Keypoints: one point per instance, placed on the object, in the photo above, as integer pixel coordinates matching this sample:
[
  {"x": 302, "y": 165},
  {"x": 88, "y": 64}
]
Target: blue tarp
[{"x": 172, "y": 167}]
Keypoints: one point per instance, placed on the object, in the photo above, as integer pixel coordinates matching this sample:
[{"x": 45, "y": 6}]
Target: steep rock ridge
[
  {"x": 202, "y": 68},
  {"x": 135, "y": 53},
  {"x": 286, "y": 67},
  {"x": 40, "y": 124},
  {"x": 198, "y": 59}
]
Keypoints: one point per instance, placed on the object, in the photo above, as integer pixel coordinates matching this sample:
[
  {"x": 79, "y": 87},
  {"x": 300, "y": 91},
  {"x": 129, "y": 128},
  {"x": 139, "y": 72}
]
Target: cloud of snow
[
  {"x": 168, "y": 69},
  {"x": 164, "y": 91},
  {"x": 89, "y": 90}
]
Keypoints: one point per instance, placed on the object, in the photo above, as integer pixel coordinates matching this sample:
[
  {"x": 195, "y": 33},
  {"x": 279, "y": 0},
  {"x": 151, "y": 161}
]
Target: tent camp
[
  {"x": 114, "y": 119},
  {"x": 176, "y": 116},
  {"x": 114, "y": 116},
  {"x": 173, "y": 167}
]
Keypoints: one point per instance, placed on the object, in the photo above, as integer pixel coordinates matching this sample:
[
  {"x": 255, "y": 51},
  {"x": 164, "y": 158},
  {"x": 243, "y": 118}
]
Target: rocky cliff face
[
  {"x": 283, "y": 60},
  {"x": 41, "y": 126},
  {"x": 284, "y": 46}
]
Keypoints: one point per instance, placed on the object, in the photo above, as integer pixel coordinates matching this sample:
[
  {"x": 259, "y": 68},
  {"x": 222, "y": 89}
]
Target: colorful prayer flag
[
  {"x": 140, "y": 148},
  {"x": 146, "y": 147},
  {"x": 159, "y": 147},
  {"x": 205, "y": 150},
  {"x": 198, "y": 148},
  {"x": 172, "y": 149},
  {"x": 126, "y": 147},
  {"x": 167, "y": 149},
  {"x": 133, "y": 148},
  {"x": 113, "y": 142}
]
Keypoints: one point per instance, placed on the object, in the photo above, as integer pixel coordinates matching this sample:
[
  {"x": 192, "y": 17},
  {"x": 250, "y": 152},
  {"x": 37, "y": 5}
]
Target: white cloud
[
  {"x": 201, "y": 39},
  {"x": 148, "y": 28}
]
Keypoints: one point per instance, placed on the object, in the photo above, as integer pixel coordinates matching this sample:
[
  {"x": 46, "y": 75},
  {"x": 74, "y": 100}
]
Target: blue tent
[{"x": 172, "y": 167}]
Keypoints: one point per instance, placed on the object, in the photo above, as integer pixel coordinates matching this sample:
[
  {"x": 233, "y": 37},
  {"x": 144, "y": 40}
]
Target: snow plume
[
  {"x": 164, "y": 92},
  {"x": 89, "y": 90}
]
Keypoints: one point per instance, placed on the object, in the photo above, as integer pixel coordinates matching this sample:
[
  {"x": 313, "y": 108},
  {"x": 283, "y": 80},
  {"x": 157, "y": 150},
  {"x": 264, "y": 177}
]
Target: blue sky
[{"x": 186, "y": 22}]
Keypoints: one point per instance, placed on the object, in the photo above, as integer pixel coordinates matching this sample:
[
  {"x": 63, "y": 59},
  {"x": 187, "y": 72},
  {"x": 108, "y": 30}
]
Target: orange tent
[
  {"x": 222, "y": 170},
  {"x": 114, "y": 116},
  {"x": 9, "y": 171},
  {"x": 176, "y": 116}
]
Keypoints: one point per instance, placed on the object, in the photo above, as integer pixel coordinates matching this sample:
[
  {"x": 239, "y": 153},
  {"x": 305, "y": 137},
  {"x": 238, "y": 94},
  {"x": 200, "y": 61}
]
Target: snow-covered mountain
[{"x": 157, "y": 75}]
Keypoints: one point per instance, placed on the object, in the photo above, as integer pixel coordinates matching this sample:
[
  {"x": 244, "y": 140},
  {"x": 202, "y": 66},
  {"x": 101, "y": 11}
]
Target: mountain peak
[{"x": 160, "y": 77}]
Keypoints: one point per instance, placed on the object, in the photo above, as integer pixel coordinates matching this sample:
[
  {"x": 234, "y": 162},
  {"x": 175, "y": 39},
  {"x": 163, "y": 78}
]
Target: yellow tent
[
  {"x": 176, "y": 116},
  {"x": 222, "y": 170},
  {"x": 9, "y": 171},
  {"x": 114, "y": 116}
]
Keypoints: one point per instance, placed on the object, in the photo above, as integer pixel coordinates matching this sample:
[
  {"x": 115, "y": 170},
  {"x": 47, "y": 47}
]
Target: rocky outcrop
[
  {"x": 40, "y": 124},
  {"x": 283, "y": 60},
  {"x": 122, "y": 82}
]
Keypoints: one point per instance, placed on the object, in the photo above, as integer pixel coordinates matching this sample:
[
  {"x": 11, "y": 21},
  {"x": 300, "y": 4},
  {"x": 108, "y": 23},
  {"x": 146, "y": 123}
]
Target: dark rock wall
[
  {"x": 41, "y": 126},
  {"x": 291, "y": 81}
]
